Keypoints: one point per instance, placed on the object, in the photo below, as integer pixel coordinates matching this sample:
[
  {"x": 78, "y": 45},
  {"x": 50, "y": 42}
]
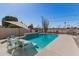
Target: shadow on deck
[{"x": 76, "y": 39}]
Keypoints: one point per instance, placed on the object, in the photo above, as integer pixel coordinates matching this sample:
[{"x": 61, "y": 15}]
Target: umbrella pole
[{"x": 19, "y": 32}]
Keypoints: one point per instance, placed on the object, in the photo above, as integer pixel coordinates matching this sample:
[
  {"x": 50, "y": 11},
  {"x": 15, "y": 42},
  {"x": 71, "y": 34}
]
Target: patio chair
[{"x": 13, "y": 44}]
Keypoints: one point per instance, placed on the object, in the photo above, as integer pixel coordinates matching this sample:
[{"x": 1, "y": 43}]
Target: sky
[{"x": 30, "y": 13}]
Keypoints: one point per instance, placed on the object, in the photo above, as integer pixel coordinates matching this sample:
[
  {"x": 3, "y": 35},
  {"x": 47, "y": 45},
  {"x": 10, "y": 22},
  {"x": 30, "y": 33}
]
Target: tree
[
  {"x": 31, "y": 27},
  {"x": 45, "y": 24},
  {"x": 37, "y": 29},
  {"x": 9, "y": 18}
]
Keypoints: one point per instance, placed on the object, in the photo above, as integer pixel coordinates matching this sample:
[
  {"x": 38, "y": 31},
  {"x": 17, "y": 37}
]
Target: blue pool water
[{"x": 41, "y": 40}]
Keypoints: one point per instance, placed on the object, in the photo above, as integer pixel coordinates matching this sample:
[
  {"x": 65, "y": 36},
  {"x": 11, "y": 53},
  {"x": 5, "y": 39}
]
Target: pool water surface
[{"x": 42, "y": 40}]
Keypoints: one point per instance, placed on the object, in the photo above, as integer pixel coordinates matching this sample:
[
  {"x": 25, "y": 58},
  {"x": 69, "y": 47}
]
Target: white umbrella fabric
[{"x": 18, "y": 24}]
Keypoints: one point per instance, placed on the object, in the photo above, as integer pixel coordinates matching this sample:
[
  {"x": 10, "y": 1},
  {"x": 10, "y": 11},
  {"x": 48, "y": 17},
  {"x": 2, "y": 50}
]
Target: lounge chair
[
  {"x": 14, "y": 43},
  {"x": 11, "y": 44}
]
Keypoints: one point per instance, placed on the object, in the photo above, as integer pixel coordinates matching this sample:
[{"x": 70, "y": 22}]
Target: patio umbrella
[{"x": 18, "y": 24}]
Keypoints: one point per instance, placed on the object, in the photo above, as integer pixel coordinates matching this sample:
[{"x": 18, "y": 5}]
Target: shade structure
[{"x": 18, "y": 24}]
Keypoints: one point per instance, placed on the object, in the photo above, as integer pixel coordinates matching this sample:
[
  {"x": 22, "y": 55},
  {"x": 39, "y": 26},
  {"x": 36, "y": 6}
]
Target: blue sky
[{"x": 56, "y": 13}]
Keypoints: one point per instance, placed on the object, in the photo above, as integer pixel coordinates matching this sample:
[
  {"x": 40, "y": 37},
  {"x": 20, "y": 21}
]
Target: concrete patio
[{"x": 63, "y": 45}]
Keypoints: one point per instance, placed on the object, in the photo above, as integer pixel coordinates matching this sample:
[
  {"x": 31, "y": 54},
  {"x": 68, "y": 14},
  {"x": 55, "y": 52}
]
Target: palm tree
[{"x": 45, "y": 24}]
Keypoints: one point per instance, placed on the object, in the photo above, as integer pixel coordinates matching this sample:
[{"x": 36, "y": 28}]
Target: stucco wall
[{"x": 6, "y": 32}]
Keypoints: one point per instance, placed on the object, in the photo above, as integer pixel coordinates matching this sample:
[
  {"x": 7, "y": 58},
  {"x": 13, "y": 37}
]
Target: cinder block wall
[{"x": 6, "y": 32}]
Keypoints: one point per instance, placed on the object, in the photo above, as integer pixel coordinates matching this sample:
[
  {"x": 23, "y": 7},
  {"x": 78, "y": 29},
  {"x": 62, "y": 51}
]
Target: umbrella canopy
[{"x": 18, "y": 24}]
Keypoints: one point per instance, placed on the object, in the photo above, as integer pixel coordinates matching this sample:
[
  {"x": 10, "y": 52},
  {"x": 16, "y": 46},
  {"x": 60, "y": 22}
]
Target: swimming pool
[{"x": 42, "y": 40}]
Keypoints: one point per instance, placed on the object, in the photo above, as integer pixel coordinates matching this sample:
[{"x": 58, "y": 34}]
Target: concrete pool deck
[
  {"x": 63, "y": 45},
  {"x": 3, "y": 48}
]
